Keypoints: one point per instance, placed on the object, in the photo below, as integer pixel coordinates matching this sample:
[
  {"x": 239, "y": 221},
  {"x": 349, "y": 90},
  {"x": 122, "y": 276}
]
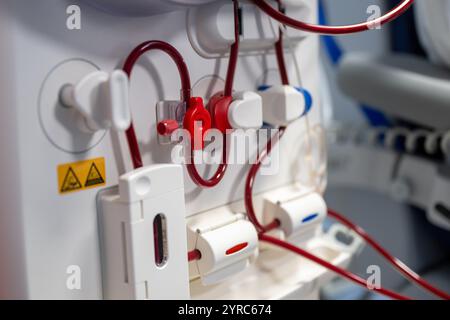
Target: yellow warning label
[{"x": 81, "y": 175}]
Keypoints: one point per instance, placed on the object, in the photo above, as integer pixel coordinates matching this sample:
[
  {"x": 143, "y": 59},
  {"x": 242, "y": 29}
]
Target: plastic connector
[
  {"x": 284, "y": 104},
  {"x": 226, "y": 250},
  {"x": 300, "y": 217},
  {"x": 167, "y": 127},
  {"x": 241, "y": 111},
  {"x": 197, "y": 121},
  {"x": 169, "y": 116},
  {"x": 138, "y": 263}
]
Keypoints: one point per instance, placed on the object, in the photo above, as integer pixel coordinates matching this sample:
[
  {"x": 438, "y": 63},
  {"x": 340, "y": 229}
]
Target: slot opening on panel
[{"x": 160, "y": 240}]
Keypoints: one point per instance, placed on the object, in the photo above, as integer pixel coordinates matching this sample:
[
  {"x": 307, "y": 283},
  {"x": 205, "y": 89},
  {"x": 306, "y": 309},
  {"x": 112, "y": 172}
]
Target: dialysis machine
[{"x": 91, "y": 209}]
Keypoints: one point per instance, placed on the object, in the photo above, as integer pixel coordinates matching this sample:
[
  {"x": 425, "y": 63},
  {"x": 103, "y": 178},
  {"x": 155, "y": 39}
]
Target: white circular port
[{"x": 60, "y": 124}]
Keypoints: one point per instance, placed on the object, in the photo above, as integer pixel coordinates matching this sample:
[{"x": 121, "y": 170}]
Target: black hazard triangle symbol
[
  {"x": 71, "y": 182},
  {"x": 94, "y": 177}
]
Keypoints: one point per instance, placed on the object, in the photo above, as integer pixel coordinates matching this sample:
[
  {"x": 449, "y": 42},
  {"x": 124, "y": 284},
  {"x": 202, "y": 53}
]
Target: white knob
[
  {"x": 245, "y": 111},
  {"x": 102, "y": 99},
  {"x": 282, "y": 105}
]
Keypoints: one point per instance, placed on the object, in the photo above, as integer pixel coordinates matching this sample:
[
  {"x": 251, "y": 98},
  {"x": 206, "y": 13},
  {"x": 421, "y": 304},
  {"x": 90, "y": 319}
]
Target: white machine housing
[{"x": 49, "y": 240}]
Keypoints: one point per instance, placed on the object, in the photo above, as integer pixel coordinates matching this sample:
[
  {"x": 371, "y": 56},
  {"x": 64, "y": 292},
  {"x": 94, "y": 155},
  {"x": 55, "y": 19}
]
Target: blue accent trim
[
  {"x": 375, "y": 117},
  {"x": 308, "y": 100},
  {"x": 263, "y": 87},
  {"x": 267, "y": 126},
  {"x": 310, "y": 217},
  {"x": 333, "y": 49}
]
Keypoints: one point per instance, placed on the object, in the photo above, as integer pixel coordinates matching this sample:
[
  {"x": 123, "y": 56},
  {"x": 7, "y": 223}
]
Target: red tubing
[
  {"x": 404, "y": 269},
  {"x": 279, "y": 51},
  {"x": 333, "y": 30},
  {"x": 216, "y": 178},
  {"x": 228, "y": 91},
  {"x": 186, "y": 92},
  {"x": 251, "y": 177},
  {"x": 342, "y": 272},
  {"x": 234, "y": 53},
  {"x": 281, "y": 62},
  {"x": 185, "y": 83},
  {"x": 275, "y": 224},
  {"x": 130, "y": 62},
  {"x": 250, "y": 182},
  {"x": 194, "y": 255}
]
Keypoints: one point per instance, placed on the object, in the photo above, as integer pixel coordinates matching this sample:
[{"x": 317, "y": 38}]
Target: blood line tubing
[{"x": 333, "y": 30}]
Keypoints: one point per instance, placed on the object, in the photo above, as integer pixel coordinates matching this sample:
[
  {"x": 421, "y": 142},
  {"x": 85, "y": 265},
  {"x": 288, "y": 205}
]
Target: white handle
[
  {"x": 102, "y": 99},
  {"x": 118, "y": 91}
]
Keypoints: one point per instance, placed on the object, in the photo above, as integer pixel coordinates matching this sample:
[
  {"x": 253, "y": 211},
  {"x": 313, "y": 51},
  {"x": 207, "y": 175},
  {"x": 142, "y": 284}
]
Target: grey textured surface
[{"x": 404, "y": 86}]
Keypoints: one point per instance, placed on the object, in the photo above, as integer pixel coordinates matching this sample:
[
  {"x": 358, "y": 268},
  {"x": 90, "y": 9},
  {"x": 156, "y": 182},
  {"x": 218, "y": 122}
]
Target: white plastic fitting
[
  {"x": 245, "y": 111},
  {"x": 102, "y": 100},
  {"x": 226, "y": 250},
  {"x": 300, "y": 217},
  {"x": 131, "y": 269},
  {"x": 282, "y": 105}
]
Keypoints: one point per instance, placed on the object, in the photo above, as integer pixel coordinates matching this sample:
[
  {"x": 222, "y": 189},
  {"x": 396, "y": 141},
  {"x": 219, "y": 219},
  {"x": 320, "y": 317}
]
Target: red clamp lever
[
  {"x": 219, "y": 106},
  {"x": 197, "y": 121}
]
